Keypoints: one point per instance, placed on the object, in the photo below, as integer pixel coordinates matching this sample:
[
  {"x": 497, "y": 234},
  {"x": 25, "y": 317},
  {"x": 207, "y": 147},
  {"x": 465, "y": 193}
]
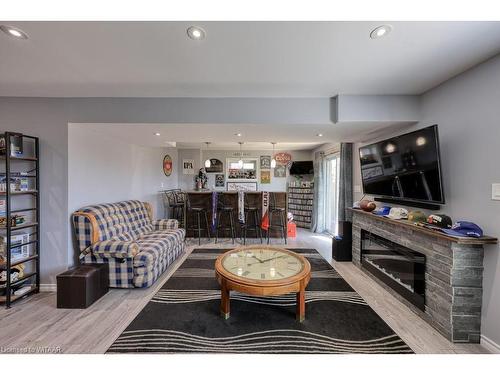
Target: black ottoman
[{"x": 80, "y": 286}]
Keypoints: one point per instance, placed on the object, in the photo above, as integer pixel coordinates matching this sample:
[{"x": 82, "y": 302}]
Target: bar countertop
[{"x": 228, "y": 192}]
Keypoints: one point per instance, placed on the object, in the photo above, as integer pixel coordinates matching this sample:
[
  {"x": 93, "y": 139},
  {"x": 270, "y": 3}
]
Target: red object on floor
[{"x": 291, "y": 230}]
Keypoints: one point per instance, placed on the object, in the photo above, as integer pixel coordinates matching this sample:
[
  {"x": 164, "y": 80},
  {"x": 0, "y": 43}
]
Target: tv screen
[
  {"x": 302, "y": 167},
  {"x": 406, "y": 167}
]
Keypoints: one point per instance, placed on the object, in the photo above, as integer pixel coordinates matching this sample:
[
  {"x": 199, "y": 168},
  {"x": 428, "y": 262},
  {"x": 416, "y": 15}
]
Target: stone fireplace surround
[{"x": 453, "y": 274}]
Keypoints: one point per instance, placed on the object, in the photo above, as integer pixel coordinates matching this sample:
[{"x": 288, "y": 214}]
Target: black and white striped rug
[{"x": 183, "y": 317}]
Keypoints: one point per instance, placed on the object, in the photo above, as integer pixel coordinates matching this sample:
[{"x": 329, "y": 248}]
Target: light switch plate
[{"x": 495, "y": 191}]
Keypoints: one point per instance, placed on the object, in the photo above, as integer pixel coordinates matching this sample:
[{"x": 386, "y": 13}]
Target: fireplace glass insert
[{"x": 400, "y": 268}]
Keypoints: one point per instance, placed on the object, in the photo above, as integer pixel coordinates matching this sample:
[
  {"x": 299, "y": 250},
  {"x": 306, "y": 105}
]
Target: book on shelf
[{"x": 19, "y": 250}]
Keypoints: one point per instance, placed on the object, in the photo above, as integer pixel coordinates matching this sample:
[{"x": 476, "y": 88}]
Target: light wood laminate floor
[{"x": 37, "y": 323}]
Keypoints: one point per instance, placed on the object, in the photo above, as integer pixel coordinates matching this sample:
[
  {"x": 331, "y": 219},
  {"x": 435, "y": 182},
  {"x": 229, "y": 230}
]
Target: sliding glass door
[{"x": 331, "y": 165}]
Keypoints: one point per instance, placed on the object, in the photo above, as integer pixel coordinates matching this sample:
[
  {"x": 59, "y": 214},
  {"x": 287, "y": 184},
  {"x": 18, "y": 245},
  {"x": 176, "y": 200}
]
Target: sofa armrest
[
  {"x": 166, "y": 224},
  {"x": 115, "y": 249}
]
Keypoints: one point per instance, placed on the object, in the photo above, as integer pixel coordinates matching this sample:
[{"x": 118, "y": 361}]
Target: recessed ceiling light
[
  {"x": 238, "y": 134},
  {"x": 157, "y": 134},
  {"x": 380, "y": 31},
  {"x": 319, "y": 135},
  {"x": 196, "y": 33},
  {"x": 13, "y": 32}
]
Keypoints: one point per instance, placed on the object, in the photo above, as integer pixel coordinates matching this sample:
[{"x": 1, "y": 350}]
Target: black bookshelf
[{"x": 16, "y": 165}]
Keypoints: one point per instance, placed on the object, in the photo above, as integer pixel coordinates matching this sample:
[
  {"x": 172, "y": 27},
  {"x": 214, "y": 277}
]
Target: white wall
[
  {"x": 186, "y": 182},
  {"x": 467, "y": 111},
  {"x": 103, "y": 169},
  {"x": 382, "y": 108}
]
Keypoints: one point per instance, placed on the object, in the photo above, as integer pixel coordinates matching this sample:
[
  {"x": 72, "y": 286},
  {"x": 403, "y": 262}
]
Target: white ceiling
[
  {"x": 238, "y": 59},
  {"x": 254, "y": 136}
]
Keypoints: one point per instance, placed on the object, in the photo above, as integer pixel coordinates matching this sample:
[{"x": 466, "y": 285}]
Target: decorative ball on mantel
[{"x": 367, "y": 205}]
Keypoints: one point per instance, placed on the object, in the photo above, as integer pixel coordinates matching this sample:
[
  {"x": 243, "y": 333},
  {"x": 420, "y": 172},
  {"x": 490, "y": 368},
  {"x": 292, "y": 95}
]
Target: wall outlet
[
  {"x": 495, "y": 192},
  {"x": 357, "y": 188}
]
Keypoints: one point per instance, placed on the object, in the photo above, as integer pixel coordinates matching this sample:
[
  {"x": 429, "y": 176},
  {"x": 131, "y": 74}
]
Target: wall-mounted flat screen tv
[
  {"x": 406, "y": 167},
  {"x": 302, "y": 167}
]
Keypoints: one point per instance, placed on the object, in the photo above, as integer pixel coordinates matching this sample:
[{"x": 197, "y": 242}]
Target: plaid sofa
[{"x": 137, "y": 248}]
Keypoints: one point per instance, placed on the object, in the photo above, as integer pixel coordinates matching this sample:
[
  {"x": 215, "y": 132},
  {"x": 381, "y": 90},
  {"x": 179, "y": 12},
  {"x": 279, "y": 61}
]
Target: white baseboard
[
  {"x": 490, "y": 345},
  {"x": 48, "y": 287}
]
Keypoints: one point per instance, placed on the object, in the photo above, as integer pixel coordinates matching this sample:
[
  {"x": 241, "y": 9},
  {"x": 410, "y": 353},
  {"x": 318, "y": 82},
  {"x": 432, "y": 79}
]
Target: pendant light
[
  {"x": 240, "y": 162},
  {"x": 207, "y": 162},
  {"x": 273, "y": 161}
]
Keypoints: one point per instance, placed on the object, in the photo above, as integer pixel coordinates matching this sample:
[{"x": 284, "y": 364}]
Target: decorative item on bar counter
[{"x": 201, "y": 179}]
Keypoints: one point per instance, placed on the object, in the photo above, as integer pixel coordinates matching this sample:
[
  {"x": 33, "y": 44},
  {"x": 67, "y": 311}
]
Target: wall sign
[
  {"x": 219, "y": 180},
  {"x": 188, "y": 166},
  {"x": 283, "y": 158},
  {"x": 265, "y": 177},
  {"x": 167, "y": 165},
  {"x": 265, "y": 162},
  {"x": 215, "y": 166},
  {"x": 280, "y": 171},
  {"x": 241, "y": 186}
]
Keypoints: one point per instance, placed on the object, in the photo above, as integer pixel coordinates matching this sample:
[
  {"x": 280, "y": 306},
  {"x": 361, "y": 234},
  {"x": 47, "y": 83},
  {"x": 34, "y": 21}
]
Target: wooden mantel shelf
[{"x": 485, "y": 240}]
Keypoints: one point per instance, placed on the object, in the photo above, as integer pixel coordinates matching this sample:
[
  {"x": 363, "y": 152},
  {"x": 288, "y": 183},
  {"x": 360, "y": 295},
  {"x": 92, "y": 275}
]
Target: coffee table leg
[
  {"x": 301, "y": 305},
  {"x": 224, "y": 301}
]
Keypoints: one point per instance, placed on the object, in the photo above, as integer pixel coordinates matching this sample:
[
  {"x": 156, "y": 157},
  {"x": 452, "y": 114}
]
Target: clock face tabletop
[{"x": 262, "y": 264}]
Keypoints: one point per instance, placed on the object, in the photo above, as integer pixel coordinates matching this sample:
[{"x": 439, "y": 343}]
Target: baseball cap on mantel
[
  {"x": 397, "y": 213},
  {"x": 464, "y": 229},
  {"x": 383, "y": 211},
  {"x": 417, "y": 217},
  {"x": 440, "y": 221}
]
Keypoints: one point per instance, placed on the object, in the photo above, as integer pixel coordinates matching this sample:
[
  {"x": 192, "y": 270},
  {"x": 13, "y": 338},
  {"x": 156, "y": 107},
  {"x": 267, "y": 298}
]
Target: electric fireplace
[{"x": 399, "y": 267}]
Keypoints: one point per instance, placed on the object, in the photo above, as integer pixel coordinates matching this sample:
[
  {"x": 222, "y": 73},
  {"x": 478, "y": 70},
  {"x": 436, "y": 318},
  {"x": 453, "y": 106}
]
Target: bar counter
[{"x": 203, "y": 198}]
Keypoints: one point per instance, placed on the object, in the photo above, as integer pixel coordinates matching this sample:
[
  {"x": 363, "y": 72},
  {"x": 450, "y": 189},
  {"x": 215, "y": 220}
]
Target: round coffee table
[{"x": 262, "y": 271}]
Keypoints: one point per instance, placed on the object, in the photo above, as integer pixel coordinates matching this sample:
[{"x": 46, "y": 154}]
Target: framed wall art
[
  {"x": 265, "y": 162},
  {"x": 242, "y": 186},
  {"x": 219, "y": 180},
  {"x": 280, "y": 171},
  {"x": 216, "y": 166},
  {"x": 167, "y": 165},
  {"x": 188, "y": 166},
  {"x": 265, "y": 177}
]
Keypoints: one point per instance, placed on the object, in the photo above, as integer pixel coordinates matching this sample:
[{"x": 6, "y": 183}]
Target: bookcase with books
[
  {"x": 300, "y": 202},
  {"x": 19, "y": 217}
]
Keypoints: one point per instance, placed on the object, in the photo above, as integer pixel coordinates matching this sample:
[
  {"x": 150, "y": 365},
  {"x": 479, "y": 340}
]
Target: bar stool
[
  {"x": 251, "y": 211},
  {"x": 180, "y": 200},
  {"x": 170, "y": 201},
  {"x": 197, "y": 212},
  {"x": 224, "y": 209},
  {"x": 274, "y": 211}
]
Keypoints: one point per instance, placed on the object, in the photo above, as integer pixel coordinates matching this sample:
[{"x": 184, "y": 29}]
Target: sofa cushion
[
  {"x": 115, "y": 249},
  {"x": 157, "y": 244},
  {"x": 126, "y": 220}
]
